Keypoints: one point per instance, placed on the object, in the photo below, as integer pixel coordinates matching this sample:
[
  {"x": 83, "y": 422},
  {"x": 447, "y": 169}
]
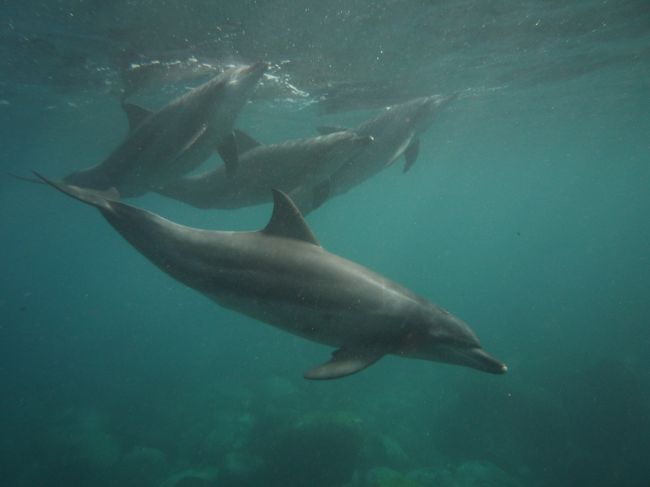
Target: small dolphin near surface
[
  {"x": 164, "y": 145},
  {"x": 282, "y": 276},
  {"x": 395, "y": 131},
  {"x": 261, "y": 168}
]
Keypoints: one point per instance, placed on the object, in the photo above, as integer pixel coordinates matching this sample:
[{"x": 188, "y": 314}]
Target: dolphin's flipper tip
[
  {"x": 411, "y": 154},
  {"x": 345, "y": 361}
]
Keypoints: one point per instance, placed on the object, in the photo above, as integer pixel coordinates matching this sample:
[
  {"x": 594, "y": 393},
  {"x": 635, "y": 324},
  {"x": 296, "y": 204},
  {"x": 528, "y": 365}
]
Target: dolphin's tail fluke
[
  {"x": 25, "y": 178},
  {"x": 99, "y": 199}
]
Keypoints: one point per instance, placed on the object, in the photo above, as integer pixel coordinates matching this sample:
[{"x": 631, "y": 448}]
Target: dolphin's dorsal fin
[
  {"x": 287, "y": 221},
  {"x": 411, "y": 154},
  {"x": 330, "y": 129},
  {"x": 135, "y": 113},
  {"x": 346, "y": 361},
  {"x": 244, "y": 141}
]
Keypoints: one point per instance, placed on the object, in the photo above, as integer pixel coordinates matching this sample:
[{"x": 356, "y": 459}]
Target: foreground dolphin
[
  {"x": 395, "y": 131},
  {"x": 164, "y": 145},
  {"x": 284, "y": 166},
  {"x": 282, "y": 276}
]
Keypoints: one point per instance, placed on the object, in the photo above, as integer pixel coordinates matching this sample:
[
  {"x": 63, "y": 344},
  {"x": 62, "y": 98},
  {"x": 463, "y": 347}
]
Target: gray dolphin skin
[
  {"x": 261, "y": 168},
  {"x": 164, "y": 145},
  {"x": 395, "y": 132},
  {"x": 282, "y": 276}
]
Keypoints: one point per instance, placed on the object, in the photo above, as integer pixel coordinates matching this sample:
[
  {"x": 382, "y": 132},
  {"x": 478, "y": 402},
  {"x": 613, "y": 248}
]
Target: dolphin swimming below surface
[
  {"x": 395, "y": 131},
  {"x": 282, "y": 276},
  {"x": 261, "y": 168},
  {"x": 164, "y": 145}
]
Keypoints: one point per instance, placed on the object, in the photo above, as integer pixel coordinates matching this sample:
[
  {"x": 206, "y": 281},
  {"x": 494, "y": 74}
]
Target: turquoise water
[{"x": 526, "y": 214}]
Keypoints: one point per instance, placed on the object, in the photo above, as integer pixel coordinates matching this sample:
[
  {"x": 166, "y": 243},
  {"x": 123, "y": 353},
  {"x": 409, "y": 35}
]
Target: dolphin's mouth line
[
  {"x": 474, "y": 357},
  {"x": 485, "y": 362}
]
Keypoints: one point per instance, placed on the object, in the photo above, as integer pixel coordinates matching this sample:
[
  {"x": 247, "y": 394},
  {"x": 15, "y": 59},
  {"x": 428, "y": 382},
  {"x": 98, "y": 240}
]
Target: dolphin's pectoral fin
[
  {"x": 195, "y": 136},
  {"x": 135, "y": 113},
  {"x": 411, "y": 154},
  {"x": 321, "y": 192},
  {"x": 400, "y": 151},
  {"x": 244, "y": 141},
  {"x": 345, "y": 361},
  {"x": 330, "y": 129},
  {"x": 286, "y": 220},
  {"x": 229, "y": 153}
]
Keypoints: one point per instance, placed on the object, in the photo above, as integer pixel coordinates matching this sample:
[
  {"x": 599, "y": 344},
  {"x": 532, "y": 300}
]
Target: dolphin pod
[
  {"x": 279, "y": 275},
  {"x": 316, "y": 169},
  {"x": 282, "y": 276}
]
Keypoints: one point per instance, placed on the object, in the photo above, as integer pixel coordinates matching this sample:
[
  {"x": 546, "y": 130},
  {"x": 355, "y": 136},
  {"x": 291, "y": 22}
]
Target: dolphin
[
  {"x": 164, "y": 145},
  {"x": 282, "y": 276},
  {"x": 283, "y": 166},
  {"x": 395, "y": 131}
]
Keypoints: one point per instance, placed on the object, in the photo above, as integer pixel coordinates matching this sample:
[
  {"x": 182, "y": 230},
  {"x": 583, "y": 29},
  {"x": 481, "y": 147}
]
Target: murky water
[{"x": 526, "y": 214}]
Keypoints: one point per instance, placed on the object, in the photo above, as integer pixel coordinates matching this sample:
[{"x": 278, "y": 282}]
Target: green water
[{"x": 526, "y": 214}]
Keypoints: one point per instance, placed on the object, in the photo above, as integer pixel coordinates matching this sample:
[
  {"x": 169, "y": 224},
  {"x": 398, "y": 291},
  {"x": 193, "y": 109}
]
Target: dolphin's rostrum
[{"x": 282, "y": 276}]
